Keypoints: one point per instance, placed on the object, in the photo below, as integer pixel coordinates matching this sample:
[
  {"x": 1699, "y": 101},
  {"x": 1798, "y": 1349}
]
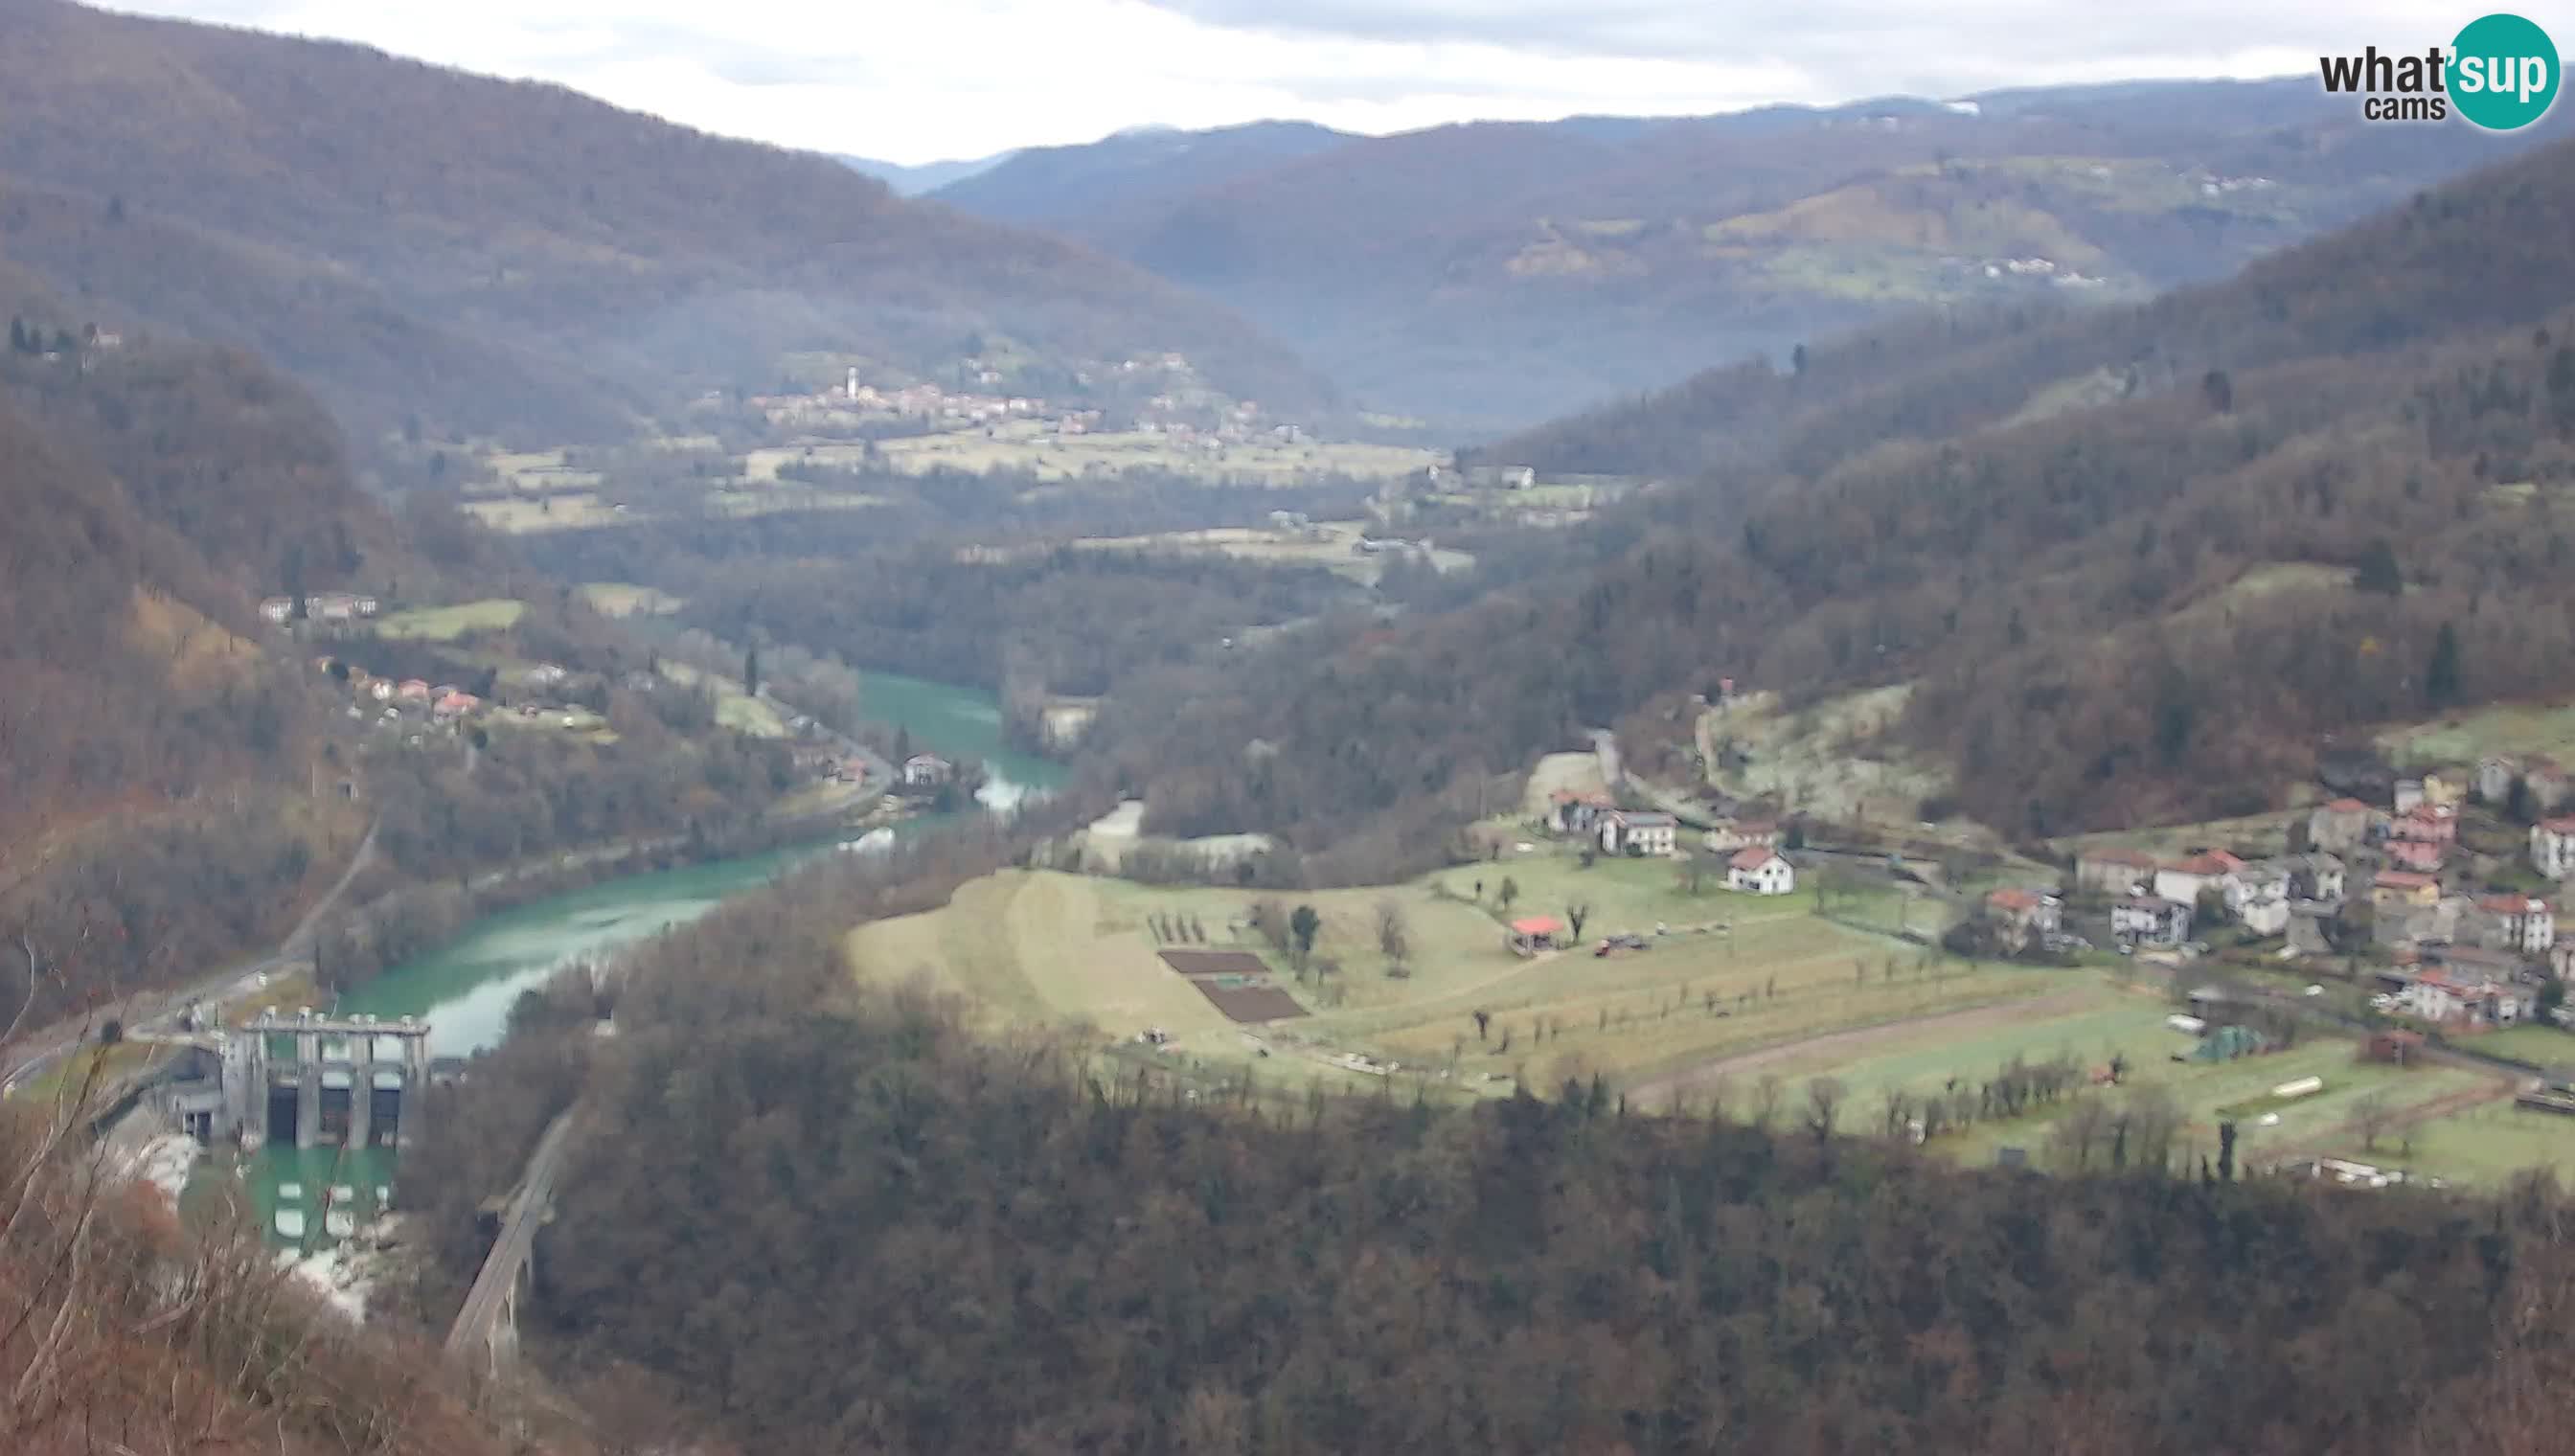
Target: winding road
[{"x": 150, "y": 1010}]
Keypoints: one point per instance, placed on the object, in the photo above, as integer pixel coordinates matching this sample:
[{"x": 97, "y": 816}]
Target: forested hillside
[
  {"x": 1504, "y": 272},
  {"x": 158, "y": 758},
  {"x": 119, "y": 1332},
  {"x": 177, "y": 782},
  {"x": 2119, "y": 554},
  {"x": 480, "y": 256},
  {"x": 1017, "y": 1249}
]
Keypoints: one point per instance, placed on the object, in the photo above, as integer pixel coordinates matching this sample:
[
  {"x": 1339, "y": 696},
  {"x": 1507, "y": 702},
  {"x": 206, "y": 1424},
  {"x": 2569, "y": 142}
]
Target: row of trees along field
[{"x": 870, "y": 1233}]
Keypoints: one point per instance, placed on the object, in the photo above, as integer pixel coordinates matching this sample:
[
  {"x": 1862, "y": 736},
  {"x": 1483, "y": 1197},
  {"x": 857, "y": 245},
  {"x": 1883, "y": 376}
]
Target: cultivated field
[
  {"x": 2540, "y": 1045},
  {"x": 621, "y": 599},
  {"x": 1052, "y": 948},
  {"x": 2514, "y": 728},
  {"x": 447, "y": 624},
  {"x": 2483, "y": 1146},
  {"x": 2091, "y": 1019},
  {"x": 735, "y": 709},
  {"x": 1329, "y": 543},
  {"x": 1034, "y": 448},
  {"x": 517, "y": 516}
]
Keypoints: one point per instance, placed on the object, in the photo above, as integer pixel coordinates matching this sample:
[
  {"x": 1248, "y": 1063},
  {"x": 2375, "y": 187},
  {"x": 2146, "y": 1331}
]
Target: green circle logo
[{"x": 2503, "y": 72}]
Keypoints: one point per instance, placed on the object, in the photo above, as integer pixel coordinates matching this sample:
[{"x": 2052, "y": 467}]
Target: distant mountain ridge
[
  {"x": 478, "y": 255},
  {"x": 1048, "y": 184},
  {"x": 917, "y": 179},
  {"x": 1495, "y": 273},
  {"x": 2110, "y": 561}
]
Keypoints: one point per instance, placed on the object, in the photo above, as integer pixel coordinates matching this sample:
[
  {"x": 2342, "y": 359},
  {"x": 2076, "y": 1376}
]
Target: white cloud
[{"x": 912, "y": 83}]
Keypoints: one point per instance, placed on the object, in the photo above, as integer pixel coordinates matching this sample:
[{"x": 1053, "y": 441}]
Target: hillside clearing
[
  {"x": 447, "y": 624},
  {"x": 1726, "y": 973}
]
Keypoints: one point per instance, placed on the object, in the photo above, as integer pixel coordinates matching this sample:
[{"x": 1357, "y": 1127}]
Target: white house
[
  {"x": 2184, "y": 879},
  {"x": 927, "y": 768},
  {"x": 2528, "y": 925},
  {"x": 1760, "y": 871},
  {"x": 2409, "y": 793},
  {"x": 2435, "y": 997},
  {"x": 2496, "y": 774},
  {"x": 2552, "y": 847},
  {"x": 277, "y": 609},
  {"x": 1625, "y": 831},
  {"x": 2258, "y": 897},
  {"x": 2144, "y": 919},
  {"x": 2315, "y": 876}
]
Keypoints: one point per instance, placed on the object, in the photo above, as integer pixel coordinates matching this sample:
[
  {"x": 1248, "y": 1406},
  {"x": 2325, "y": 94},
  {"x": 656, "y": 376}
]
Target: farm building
[{"x": 1533, "y": 933}]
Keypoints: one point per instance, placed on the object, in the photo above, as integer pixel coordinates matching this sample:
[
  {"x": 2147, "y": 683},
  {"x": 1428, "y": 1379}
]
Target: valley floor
[{"x": 1740, "y": 1000}]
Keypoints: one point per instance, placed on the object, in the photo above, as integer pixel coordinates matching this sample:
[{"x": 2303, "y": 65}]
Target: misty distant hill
[
  {"x": 485, "y": 256},
  {"x": 1495, "y": 273}
]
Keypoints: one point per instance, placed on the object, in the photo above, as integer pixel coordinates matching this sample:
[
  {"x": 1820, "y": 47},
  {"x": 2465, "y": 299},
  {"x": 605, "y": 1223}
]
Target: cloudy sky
[{"x": 923, "y": 80}]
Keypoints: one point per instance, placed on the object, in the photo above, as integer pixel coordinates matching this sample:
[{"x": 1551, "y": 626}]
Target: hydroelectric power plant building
[{"x": 306, "y": 1082}]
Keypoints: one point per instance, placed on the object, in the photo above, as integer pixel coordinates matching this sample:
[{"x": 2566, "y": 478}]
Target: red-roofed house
[
  {"x": 1760, "y": 871},
  {"x": 2451, "y": 997},
  {"x": 2430, "y": 823},
  {"x": 2423, "y": 856},
  {"x": 2184, "y": 879},
  {"x": 1572, "y": 813},
  {"x": 2552, "y": 848},
  {"x": 2022, "y": 915}
]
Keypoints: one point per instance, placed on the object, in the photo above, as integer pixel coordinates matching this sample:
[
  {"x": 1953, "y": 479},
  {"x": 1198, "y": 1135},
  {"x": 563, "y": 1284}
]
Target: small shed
[
  {"x": 1533, "y": 933},
  {"x": 2399, "y": 1048}
]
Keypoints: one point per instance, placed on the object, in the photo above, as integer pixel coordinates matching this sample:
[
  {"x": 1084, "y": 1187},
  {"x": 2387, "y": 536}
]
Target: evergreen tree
[
  {"x": 2441, "y": 679},
  {"x": 2220, "y": 390},
  {"x": 751, "y": 671},
  {"x": 2378, "y": 570}
]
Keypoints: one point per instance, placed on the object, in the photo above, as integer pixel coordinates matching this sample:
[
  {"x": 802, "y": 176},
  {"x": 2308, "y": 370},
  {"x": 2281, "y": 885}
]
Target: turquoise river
[{"x": 465, "y": 989}]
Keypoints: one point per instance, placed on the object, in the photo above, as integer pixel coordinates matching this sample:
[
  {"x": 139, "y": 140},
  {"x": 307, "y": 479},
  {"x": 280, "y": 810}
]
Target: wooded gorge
[{"x": 1020, "y": 1247}]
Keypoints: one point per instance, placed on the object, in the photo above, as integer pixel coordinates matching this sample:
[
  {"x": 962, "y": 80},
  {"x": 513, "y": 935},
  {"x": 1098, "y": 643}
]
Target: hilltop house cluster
[
  {"x": 320, "y": 606},
  {"x": 1754, "y": 861},
  {"x": 2449, "y": 946},
  {"x": 922, "y": 402}
]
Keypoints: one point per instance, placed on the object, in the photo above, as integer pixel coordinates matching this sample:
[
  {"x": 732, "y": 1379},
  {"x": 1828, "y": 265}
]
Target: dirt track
[
  {"x": 2346, "y": 1133},
  {"x": 1859, "y": 1039}
]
